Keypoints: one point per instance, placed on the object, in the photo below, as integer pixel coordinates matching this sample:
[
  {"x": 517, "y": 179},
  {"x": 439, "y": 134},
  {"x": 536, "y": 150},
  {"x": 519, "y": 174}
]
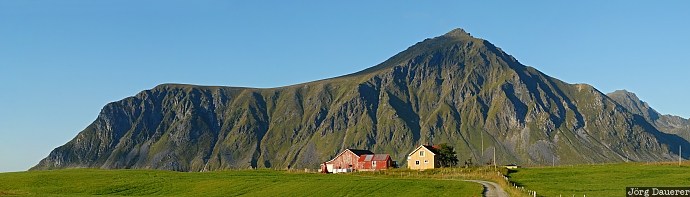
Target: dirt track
[{"x": 491, "y": 189}]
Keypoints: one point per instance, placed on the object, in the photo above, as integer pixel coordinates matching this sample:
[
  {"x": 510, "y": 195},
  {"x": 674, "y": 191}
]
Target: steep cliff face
[
  {"x": 666, "y": 123},
  {"x": 453, "y": 89}
]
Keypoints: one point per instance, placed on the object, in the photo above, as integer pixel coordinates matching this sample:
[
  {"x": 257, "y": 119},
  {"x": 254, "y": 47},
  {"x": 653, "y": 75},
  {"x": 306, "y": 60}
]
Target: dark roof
[
  {"x": 433, "y": 149},
  {"x": 361, "y": 152}
]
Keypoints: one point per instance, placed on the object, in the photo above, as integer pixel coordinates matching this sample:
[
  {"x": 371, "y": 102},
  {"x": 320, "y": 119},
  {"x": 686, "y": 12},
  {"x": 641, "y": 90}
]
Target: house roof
[
  {"x": 432, "y": 149},
  {"x": 381, "y": 157},
  {"x": 357, "y": 152},
  {"x": 374, "y": 157},
  {"x": 361, "y": 152}
]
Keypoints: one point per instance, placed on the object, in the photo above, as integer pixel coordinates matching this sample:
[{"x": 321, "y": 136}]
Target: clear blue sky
[{"x": 61, "y": 61}]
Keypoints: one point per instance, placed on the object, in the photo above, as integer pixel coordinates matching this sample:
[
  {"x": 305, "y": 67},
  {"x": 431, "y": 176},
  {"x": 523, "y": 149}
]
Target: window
[
  {"x": 426, "y": 161},
  {"x": 421, "y": 153},
  {"x": 416, "y": 162},
  {"x": 373, "y": 164}
]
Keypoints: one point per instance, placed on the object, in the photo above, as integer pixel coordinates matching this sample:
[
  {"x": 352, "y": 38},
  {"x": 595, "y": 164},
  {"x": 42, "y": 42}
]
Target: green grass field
[
  {"x": 600, "y": 180},
  {"x": 579, "y": 180},
  {"x": 90, "y": 182}
]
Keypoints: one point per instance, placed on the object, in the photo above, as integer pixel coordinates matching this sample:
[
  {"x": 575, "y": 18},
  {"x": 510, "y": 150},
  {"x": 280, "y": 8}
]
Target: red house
[
  {"x": 357, "y": 160},
  {"x": 374, "y": 162}
]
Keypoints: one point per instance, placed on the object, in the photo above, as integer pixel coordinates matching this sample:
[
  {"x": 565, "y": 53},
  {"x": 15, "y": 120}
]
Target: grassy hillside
[
  {"x": 90, "y": 182},
  {"x": 600, "y": 180}
]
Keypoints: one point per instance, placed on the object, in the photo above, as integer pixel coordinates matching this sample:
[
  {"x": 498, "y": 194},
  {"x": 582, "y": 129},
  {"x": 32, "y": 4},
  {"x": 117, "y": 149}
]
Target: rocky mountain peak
[
  {"x": 458, "y": 33},
  {"x": 625, "y": 93},
  {"x": 630, "y": 101}
]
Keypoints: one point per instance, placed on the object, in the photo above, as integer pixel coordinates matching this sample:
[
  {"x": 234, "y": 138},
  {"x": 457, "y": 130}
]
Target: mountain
[
  {"x": 454, "y": 89},
  {"x": 665, "y": 123}
]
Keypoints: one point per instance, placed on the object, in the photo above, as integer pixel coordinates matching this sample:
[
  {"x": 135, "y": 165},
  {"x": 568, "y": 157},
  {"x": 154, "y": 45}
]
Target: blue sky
[{"x": 61, "y": 61}]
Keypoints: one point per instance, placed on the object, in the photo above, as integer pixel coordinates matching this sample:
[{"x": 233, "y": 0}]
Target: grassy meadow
[
  {"x": 600, "y": 180},
  {"x": 578, "y": 180},
  {"x": 91, "y": 182}
]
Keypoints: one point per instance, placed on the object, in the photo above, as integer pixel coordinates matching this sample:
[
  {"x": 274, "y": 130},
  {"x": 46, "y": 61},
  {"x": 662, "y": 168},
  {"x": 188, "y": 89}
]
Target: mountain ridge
[
  {"x": 667, "y": 123},
  {"x": 453, "y": 89}
]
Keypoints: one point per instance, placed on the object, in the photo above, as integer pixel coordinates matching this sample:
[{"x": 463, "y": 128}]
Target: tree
[{"x": 447, "y": 157}]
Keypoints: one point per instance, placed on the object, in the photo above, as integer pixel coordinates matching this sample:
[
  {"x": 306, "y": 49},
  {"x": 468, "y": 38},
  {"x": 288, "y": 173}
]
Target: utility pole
[
  {"x": 482, "y": 134},
  {"x": 553, "y": 161},
  {"x": 680, "y": 154},
  {"x": 494, "y": 157}
]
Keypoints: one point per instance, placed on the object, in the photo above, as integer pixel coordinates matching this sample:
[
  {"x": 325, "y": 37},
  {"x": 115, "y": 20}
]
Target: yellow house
[{"x": 423, "y": 157}]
